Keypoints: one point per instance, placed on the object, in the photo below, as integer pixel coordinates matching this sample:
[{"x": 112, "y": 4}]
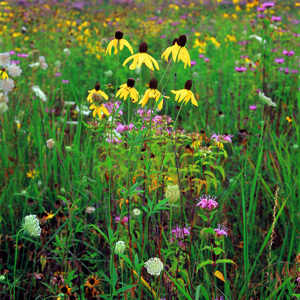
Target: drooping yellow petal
[
  {"x": 167, "y": 53},
  {"x": 145, "y": 99},
  {"x": 134, "y": 94},
  {"x": 103, "y": 95},
  {"x": 104, "y": 109},
  {"x": 175, "y": 52},
  {"x": 193, "y": 99},
  {"x": 125, "y": 43},
  {"x": 155, "y": 63},
  {"x": 92, "y": 106},
  {"x": 140, "y": 61},
  {"x": 89, "y": 98},
  {"x": 177, "y": 93},
  {"x": 183, "y": 94},
  {"x": 148, "y": 62},
  {"x": 116, "y": 46},
  {"x": 129, "y": 58},
  {"x": 109, "y": 46}
]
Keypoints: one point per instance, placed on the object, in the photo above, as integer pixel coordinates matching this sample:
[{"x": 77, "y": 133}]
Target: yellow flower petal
[
  {"x": 125, "y": 43},
  {"x": 104, "y": 109}
]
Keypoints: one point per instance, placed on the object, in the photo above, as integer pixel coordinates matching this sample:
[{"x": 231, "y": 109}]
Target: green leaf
[
  {"x": 126, "y": 258},
  {"x": 204, "y": 217},
  {"x": 123, "y": 289},
  {"x": 212, "y": 215},
  {"x": 108, "y": 162},
  {"x": 217, "y": 250},
  {"x": 225, "y": 261},
  {"x": 204, "y": 263},
  {"x": 209, "y": 230}
]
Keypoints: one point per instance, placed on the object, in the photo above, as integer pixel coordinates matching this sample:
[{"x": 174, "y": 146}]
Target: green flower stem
[{"x": 15, "y": 266}]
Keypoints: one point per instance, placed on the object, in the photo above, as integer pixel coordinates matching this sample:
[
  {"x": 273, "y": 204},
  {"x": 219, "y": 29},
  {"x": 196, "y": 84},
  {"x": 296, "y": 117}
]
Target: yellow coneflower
[
  {"x": 118, "y": 40},
  {"x": 128, "y": 89},
  {"x": 186, "y": 94},
  {"x": 109, "y": 86},
  {"x": 152, "y": 92},
  {"x": 96, "y": 98},
  {"x": 92, "y": 281},
  {"x": 142, "y": 57},
  {"x": 183, "y": 54},
  {"x": 289, "y": 119},
  {"x": 3, "y": 74},
  {"x": 174, "y": 49}
]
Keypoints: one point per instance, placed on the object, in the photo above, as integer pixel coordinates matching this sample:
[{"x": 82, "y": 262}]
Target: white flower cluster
[
  {"x": 266, "y": 100},
  {"x": 14, "y": 70},
  {"x": 154, "y": 266},
  {"x": 3, "y": 103},
  {"x": 40, "y": 63},
  {"x": 136, "y": 212},
  {"x": 120, "y": 247},
  {"x": 31, "y": 225},
  {"x": 7, "y": 85},
  {"x": 4, "y": 59},
  {"x": 39, "y": 93},
  {"x": 173, "y": 192},
  {"x": 89, "y": 210}
]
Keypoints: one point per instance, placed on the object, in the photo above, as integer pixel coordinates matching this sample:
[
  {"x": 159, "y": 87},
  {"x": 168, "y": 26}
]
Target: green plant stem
[{"x": 15, "y": 265}]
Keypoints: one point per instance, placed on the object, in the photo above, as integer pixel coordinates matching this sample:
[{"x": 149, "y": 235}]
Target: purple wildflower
[
  {"x": 193, "y": 63},
  {"x": 15, "y": 62},
  {"x": 12, "y": 52},
  {"x": 225, "y": 138},
  {"x": 253, "y": 107},
  {"x": 58, "y": 74},
  {"x": 276, "y": 19},
  {"x": 288, "y": 53},
  {"x": 268, "y": 4},
  {"x": 201, "y": 55},
  {"x": 207, "y": 202},
  {"x": 279, "y": 60},
  {"x": 274, "y": 50},
  {"x": 220, "y": 232},
  {"x": 22, "y": 55},
  {"x": 206, "y": 59},
  {"x": 240, "y": 69},
  {"x": 124, "y": 220},
  {"x": 65, "y": 81}
]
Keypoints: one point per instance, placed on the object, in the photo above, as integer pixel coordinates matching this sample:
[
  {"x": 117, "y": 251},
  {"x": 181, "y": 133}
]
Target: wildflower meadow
[{"x": 149, "y": 149}]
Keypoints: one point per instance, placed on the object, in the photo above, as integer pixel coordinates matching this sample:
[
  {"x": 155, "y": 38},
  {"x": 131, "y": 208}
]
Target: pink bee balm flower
[
  {"x": 276, "y": 19},
  {"x": 268, "y": 4},
  {"x": 279, "y": 60},
  {"x": 288, "y": 53},
  {"x": 240, "y": 69},
  {"x": 220, "y": 232},
  {"x": 207, "y": 202},
  {"x": 253, "y": 107}
]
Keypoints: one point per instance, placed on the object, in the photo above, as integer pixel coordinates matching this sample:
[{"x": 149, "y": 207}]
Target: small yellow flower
[
  {"x": 118, "y": 40},
  {"x": 183, "y": 54},
  {"x": 185, "y": 94},
  {"x": 288, "y": 119},
  {"x": 128, "y": 89},
  {"x": 96, "y": 98},
  {"x": 152, "y": 92},
  {"x": 32, "y": 174},
  {"x": 3, "y": 74},
  {"x": 142, "y": 57}
]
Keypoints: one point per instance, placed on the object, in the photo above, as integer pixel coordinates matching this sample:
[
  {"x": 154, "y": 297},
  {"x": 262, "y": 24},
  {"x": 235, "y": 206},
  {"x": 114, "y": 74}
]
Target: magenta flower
[
  {"x": 15, "y": 62},
  {"x": 268, "y": 4},
  {"x": 201, "y": 55},
  {"x": 279, "y": 60},
  {"x": 240, "y": 69},
  {"x": 181, "y": 233},
  {"x": 206, "y": 59},
  {"x": 260, "y": 9},
  {"x": 220, "y": 232},
  {"x": 288, "y": 53},
  {"x": 276, "y": 19},
  {"x": 193, "y": 63},
  {"x": 225, "y": 138},
  {"x": 124, "y": 220},
  {"x": 253, "y": 107},
  {"x": 274, "y": 50},
  {"x": 58, "y": 74},
  {"x": 65, "y": 81},
  {"x": 12, "y": 52},
  {"x": 207, "y": 202},
  {"x": 22, "y": 55}
]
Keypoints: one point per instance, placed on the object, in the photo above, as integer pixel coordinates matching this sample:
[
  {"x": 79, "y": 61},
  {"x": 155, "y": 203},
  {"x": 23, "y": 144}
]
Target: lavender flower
[
  {"x": 279, "y": 60},
  {"x": 253, "y": 107},
  {"x": 240, "y": 69},
  {"x": 220, "y": 232},
  {"x": 207, "y": 202},
  {"x": 288, "y": 53}
]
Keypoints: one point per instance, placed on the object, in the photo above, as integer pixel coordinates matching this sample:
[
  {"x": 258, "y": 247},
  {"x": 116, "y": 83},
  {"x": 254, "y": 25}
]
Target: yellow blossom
[{"x": 118, "y": 41}]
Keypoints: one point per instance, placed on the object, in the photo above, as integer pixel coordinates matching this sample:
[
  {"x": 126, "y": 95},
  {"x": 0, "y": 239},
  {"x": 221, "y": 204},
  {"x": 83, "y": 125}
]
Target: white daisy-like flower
[
  {"x": 3, "y": 107},
  {"x": 31, "y": 225},
  {"x": 136, "y": 212},
  {"x": 266, "y": 99},
  {"x": 7, "y": 85},
  {"x": 14, "y": 70},
  {"x": 39, "y": 93},
  {"x": 154, "y": 266},
  {"x": 50, "y": 143},
  {"x": 3, "y": 98},
  {"x": 4, "y": 59},
  {"x": 120, "y": 247}
]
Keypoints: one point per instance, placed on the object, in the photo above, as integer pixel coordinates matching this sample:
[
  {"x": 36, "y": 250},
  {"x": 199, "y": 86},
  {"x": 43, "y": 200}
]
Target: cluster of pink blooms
[
  {"x": 208, "y": 202},
  {"x": 124, "y": 220},
  {"x": 122, "y": 128},
  {"x": 288, "y": 53},
  {"x": 220, "y": 232},
  {"x": 180, "y": 234},
  {"x": 225, "y": 138},
  {"x": 110, "y": 107},
  {"x": 144, "y": 113}
]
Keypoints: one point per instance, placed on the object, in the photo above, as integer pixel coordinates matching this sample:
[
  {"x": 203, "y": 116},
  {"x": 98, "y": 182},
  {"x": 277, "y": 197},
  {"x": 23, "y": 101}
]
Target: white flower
[
  {"x": 258, "y": 38},
  {"x": 69, "y": 102},
  {"x": 39, "y": 93},
  {"x": 154, "y": 266},
  {"x": 89, "y": 210},
  {"x": 72, "y": 122},
  {"x": 7, "y": 85},
  {"x": 83, "y": 110},
  {"x": 50, "y": 143},
  {"x": 31, "y": 225},
  {"x": 4, "y": 59},
  {"x": 136, "y": 212},
  {"x": 34, "y": 65},
  {"x": 3, "y": 98},
  {"x": 266, "y": 100},
  {"x": 3, "y": 107},
  {"x": 14, "y": 70},
  {"x": 67, "y": 51},
  {"x": 173, "y": 192},
  {"x": 2, "y": 277},
  {"x": 108, "y": 73},
  {"x": 120, "y": 247},
  {"x": 43, "y": 63}
]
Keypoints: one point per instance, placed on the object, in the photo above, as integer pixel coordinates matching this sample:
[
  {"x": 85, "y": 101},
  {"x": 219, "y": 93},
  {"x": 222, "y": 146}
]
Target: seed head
[
  {"x": 97, "y": 86},
  {"x": 143, "y": 47},
  {"x": 153, "y": 84},
  {"x": 188, "y": 85},
  {"x": 173, "y": 192},
  {"x": 118, "y": 35},
  {"x": 175, "y": 41},
  {"x": 130, "y": 82},
  {"x": 182, "y": 40},
  {"x": 120, "y": 247}
]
